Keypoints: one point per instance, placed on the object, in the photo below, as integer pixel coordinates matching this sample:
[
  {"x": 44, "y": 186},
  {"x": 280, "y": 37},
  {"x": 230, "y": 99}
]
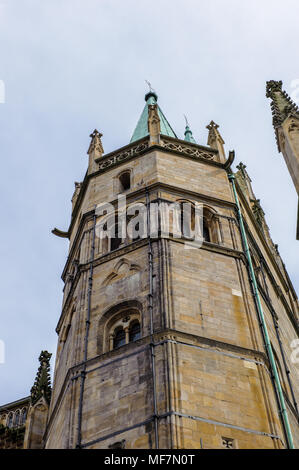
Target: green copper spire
[
  {"x": 141, "y": 129},
  {"x": 188, "y": 133}
]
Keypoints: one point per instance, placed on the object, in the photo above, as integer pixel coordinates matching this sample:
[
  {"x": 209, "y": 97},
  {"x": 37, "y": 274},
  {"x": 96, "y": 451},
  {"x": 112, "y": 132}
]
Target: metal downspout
[
  {"x": 87, "y": 322},
  {"x": 287, "y": 370},
  {"x": 269, "y": 351},
  {"x": 275, "y": 324},
  {"x": 152, "y": 345}
]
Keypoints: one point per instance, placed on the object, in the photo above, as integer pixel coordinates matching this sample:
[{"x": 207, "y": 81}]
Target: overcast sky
[{"x": 70, "y": 66}]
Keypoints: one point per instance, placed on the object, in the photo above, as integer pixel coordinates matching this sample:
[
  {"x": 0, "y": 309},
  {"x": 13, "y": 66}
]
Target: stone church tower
[{"x": 162, "y": 344}]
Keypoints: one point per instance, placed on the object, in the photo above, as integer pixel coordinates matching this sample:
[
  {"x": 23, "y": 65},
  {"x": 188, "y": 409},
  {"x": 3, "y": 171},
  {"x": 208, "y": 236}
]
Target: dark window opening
[
  {"x": 137, "y": 236},
  {"x": 24, "y": 415},
  {"x": 119, "y": 338},
  {"x": 10, "y": 420},
  {"x": 134, "y": 332},
  {"x": 205, "y": 231},
  {"x": 125, "y": 181},
  {"x": 115, "y": 240},
  {"x": 17, "y": 419}
]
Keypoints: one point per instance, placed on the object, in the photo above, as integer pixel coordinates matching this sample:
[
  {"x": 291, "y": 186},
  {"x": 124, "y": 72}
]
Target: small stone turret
[
  {"x": 40, "y": 397},
  {"x": 215, "y": 140},
  {"x": 95, "y": 150}
]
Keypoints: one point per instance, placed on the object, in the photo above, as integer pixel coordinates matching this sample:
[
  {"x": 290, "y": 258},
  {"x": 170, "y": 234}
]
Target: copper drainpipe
[{"x": 261, "y": 317}]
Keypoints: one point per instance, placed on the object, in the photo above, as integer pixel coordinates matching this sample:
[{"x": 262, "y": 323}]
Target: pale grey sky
[{"x": 70, "y": 66}]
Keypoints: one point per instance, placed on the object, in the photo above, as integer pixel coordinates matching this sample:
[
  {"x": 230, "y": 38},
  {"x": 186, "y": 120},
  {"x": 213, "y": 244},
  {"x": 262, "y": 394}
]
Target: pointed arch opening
[{"x": 10, "y": 420}]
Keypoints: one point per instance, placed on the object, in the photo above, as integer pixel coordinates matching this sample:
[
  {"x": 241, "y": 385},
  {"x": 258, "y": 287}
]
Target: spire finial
[
  {"x": 242, "y": 168},
  {"x": 151, "y": 94},
  {"x": 142, "y": 128},
  {"x": 96, "y": 144},
  {"x": 150, "y": 86},
  {"x": 215, "y": 140},
  {"x": 188, "y": 133},
  {"x": 282, "y": 106}
]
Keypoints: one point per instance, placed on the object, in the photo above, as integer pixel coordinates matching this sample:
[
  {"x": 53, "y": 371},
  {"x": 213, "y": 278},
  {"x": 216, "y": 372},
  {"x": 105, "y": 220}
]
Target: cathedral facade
[{"x": 167, "y": 341}]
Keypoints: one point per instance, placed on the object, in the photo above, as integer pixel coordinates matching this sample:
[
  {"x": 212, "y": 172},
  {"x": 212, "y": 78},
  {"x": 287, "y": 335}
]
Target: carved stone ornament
[
  {"x": 154, "y": 127},
  {"x": 293, "y": 126},
  {"x": 96, "y": 143},
  {"x": 272, "y": 86},
  {"x": 186, "y": 149}
]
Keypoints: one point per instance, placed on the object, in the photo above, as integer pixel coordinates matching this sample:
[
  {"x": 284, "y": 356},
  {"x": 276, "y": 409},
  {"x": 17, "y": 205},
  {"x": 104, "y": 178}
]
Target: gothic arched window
[
  {"x": 23, "y": 416},
  {"x": 119, "y": 325},
  {"x": 189, "y": 218},
  {"x": 10, "y": 420},
  {"x": 124, "y": 329},
  {"x": 210, "y": 226},
  {"x": 17, "y": 419}
]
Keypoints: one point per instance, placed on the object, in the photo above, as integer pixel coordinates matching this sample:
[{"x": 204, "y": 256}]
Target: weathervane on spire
[
  {"x": 187, "y": 123},
  {"x": 150, "y": 87}
]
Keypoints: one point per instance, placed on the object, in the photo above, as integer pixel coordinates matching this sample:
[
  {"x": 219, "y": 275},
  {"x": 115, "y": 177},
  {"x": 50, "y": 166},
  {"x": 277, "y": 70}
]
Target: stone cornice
[{"x": 137, "y": 149}]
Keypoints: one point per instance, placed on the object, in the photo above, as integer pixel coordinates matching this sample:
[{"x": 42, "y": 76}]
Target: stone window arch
[
  {"x": 211, "y": 230},
  {"x": 10, "y": 419},
  {"x": 123, "y": 181},
  {"x": 17, "y": 419},
  {"x": 134, "y": 330},
  {"x": 125, "y": 330},
  {"x": 211, "y": 225},
  {"x": 23, "y": 416},
  {"x": 118, "y": 337},
  {"x": 120, "y": 325}
]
